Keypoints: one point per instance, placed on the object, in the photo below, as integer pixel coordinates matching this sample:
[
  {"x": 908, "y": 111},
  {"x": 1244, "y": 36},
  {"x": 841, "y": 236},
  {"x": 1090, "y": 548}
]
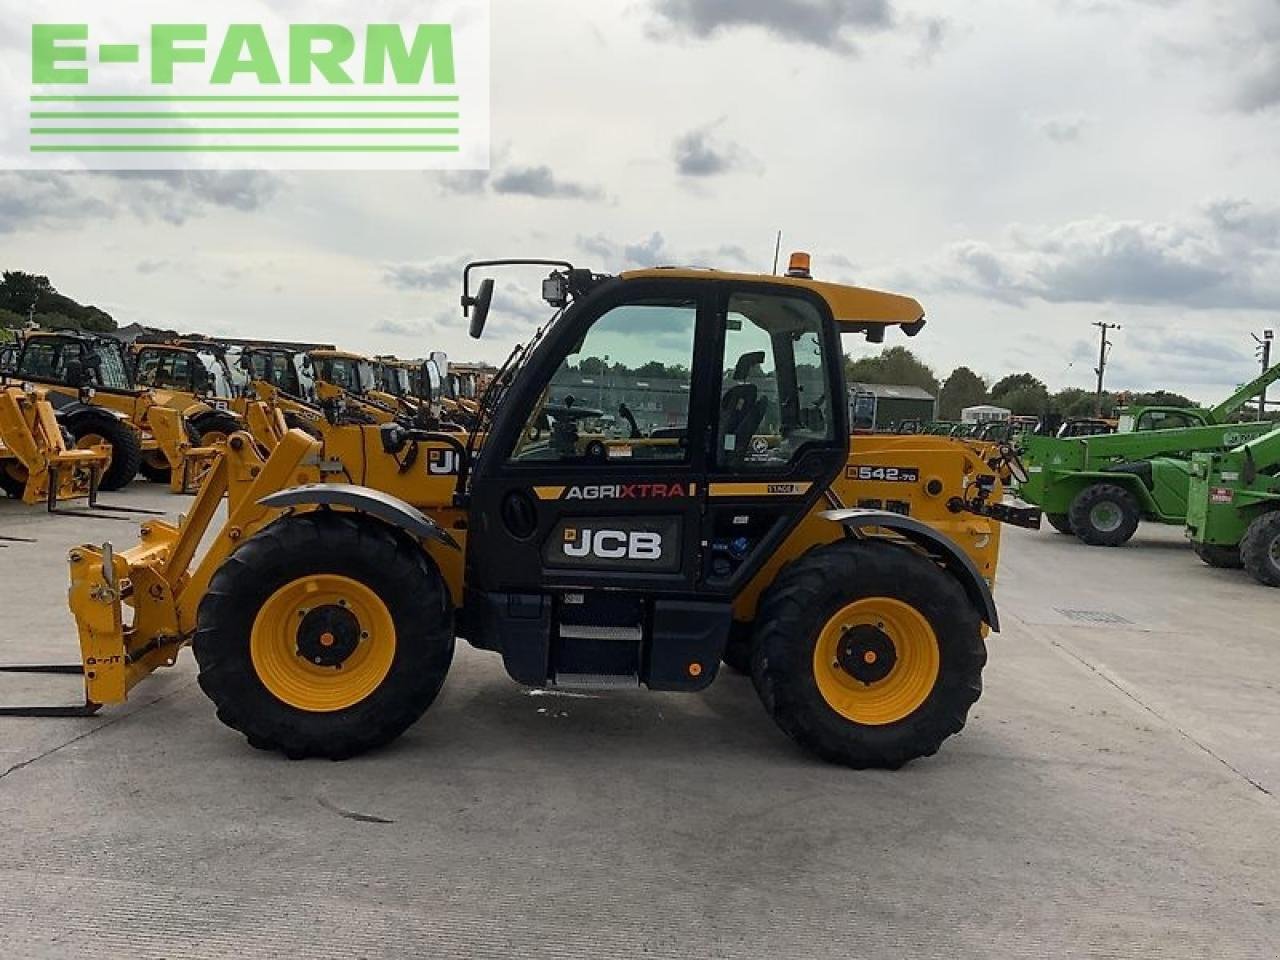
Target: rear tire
[
  {"x": 1104, "y": 515},
  {"x": 255, "y": 655},
  {"x": 215, "y": 427},
  {"x": 12, "y": 486},
  {"x": 1260, "y": 549},
  {"x": 155, "y": 468},
  {"x": 1218, "y": 557},
  {"x": 126, "y": 446},
  {"x": 1060, "y": 522},
  {"x": 934, "y": 674}
]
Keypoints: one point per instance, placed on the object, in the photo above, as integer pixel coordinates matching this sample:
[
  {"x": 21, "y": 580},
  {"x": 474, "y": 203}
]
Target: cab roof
[
  {"x": 856, "y": 309},
  {"x": 337, "y": 355}
]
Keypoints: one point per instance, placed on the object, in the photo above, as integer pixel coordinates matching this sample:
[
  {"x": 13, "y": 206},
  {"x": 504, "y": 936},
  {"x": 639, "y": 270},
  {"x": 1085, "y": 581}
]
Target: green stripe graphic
[
  {"x": 221, "y": 131},
  {"x": 154, "y": 115},
  {"x": 242, "y": 148},
  {"x": 240, "y": 99}
]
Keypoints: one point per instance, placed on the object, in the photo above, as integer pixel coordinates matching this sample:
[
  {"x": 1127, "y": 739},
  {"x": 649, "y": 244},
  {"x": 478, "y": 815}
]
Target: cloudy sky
[{"x": 1023, "y": 167}]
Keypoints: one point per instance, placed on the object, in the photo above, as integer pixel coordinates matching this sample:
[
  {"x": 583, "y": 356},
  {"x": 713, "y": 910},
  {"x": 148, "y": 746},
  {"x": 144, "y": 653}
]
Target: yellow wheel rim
[
  {"x": 323, "y": 643},
  {"x": 876, "y": 661}
]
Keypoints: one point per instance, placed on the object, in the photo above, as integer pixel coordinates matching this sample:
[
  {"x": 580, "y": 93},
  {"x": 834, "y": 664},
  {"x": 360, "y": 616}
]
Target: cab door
[{"x": 586, "y": 513}]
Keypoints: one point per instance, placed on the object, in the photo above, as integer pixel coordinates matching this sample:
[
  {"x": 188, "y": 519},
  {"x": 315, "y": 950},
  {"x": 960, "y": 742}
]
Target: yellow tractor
[
  {"x": 323, "y": 610},
  {"x": 37, "y": 465},
  {"x": 89, "y": 380}
]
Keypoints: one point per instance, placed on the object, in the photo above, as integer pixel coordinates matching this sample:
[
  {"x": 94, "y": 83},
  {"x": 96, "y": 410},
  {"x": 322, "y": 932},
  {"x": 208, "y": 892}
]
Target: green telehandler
[
  {"x": 1233, "y": 514},
  {"x": 1100, "y": 487}
]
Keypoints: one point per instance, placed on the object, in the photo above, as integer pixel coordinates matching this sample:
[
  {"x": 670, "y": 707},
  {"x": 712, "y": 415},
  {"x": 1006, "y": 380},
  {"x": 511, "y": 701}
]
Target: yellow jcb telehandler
[
  {"x": 323, "y": 611},
  {"x": 37, "y": 465},
  {"x": 89, "y": 380}
]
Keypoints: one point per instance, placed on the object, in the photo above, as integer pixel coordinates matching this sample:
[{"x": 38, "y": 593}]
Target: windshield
[{"x": 114, "y": 372}]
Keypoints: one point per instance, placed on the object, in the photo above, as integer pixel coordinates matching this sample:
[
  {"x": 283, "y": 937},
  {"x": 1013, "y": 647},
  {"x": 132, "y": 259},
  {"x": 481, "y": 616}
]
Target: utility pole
[
  {"x": 1264, "y": 354},
  {"x": 1101, "y": 369}
]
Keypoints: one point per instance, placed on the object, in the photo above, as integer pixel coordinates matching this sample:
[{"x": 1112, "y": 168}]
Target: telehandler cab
[
  {"x": 323, "y": 612},
  {"x": 1233, "y": 515}
]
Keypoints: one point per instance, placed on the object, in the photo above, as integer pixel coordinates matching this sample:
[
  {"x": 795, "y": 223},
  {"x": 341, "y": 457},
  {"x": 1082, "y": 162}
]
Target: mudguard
[
  {"x": 69, "y": 409},
  {"x": 385, "y": 507},
  {"x": 952, "y": 557},
  {"x": 202, "y": 407}
]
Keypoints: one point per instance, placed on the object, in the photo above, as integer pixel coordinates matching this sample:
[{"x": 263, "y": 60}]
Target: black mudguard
[
  {"x": 383, "y": 506},
  {"x": 945, "y": 550}
]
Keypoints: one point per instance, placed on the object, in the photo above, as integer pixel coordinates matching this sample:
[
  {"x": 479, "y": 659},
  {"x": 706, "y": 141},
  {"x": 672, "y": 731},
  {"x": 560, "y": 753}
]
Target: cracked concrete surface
[{"x": 1114, "y": 795}]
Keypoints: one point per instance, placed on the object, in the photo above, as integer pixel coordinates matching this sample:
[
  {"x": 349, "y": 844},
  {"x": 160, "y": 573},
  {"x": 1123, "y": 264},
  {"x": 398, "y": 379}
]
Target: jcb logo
[
  {"x": 612, "y": 544},
  {"x": 442, "y": 463}
]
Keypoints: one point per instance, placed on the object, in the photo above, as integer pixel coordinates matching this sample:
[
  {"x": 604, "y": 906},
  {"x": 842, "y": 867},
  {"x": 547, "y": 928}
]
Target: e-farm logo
[{"x": 149, "y": 85}]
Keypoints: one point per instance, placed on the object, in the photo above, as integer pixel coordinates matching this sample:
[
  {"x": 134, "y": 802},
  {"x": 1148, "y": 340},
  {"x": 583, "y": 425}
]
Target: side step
[
  {"x": 594, "y": 681},
  {"x": 573, "y": 631}
]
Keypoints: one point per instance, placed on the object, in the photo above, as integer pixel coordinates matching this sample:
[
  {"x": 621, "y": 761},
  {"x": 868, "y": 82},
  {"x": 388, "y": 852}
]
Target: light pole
[
  {"x": 1264, "y": 354},
  {"x": 1101, "y": 369}
]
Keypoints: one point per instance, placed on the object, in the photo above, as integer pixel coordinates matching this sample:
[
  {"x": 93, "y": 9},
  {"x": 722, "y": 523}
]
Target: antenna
[{"x": 777, "y": 252}]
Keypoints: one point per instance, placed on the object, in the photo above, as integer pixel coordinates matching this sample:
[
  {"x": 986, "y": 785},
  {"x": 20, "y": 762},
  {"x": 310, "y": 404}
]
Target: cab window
[
  {"x": 775, "y": 397},
  {"x": 112, "y": 372},
  {"x": 45, "y": 360},
  {"x": 622, "y": 394}
]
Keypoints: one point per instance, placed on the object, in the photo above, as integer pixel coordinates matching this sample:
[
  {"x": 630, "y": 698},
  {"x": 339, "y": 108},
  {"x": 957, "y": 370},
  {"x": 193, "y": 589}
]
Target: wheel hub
[
  {"x": 328, "y": 635},
  {"x": 1106, "y": 517},
  {"x": 866, "y": 653}
]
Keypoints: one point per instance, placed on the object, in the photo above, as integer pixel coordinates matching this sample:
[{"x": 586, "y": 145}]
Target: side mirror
[
  {"x": 479, "y": 306},
  {"x": 427, "y": 377}
]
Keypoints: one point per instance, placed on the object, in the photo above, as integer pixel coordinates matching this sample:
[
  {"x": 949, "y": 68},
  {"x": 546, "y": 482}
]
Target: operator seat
[{"x": 742, "y": 410}]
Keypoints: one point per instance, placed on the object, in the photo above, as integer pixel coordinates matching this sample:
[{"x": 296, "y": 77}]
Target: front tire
[
  {"x": 126, "y": 446},
  {"x": 1060, "y": 522},
  {"x": 1260, "y": 549},
  {"x": 737, "y": 651},
  {"x": 1104, "y": 515},
  {"x": 1217, "y": 556},
  {"x": 325, "y": 635},
  {"x": 215, "y": 427},
  {"x": 868, "y": 654}
]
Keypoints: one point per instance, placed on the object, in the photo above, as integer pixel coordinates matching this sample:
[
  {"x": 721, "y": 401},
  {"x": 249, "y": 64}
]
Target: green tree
[
  {"x": 896, "y": 365},
  {"x": 1074, "y": 402},
  {"x": 21, "y": 293},
  {"x": 963, "y": 388},
  {"x": 1160, "y": 398},
  {"x": 1026, "y": 401},
  {"x": 1016, "y": 381}
]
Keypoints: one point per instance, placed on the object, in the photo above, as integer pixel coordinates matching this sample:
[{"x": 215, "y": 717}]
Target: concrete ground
[{"x": 1115, "y": 794}]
